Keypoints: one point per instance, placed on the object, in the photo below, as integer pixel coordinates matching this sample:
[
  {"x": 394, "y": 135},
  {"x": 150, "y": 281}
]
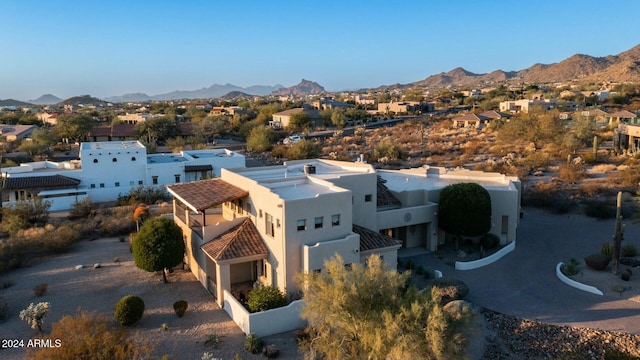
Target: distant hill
[
  {"x": 12, "y": 102},
  {"x": 46, "y": 99},
  {"x": 83, "y": 100},
  {"x": 304, "y": 87},
  {"x": 235, "y": 95},
  {"x": 615, "y": 68},
  {"x": 134, "y": 97},
  {"x": 211, "y": 92}
]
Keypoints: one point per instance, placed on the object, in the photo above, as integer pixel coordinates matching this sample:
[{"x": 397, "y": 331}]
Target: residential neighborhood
[{"x": 164, "y": 196}]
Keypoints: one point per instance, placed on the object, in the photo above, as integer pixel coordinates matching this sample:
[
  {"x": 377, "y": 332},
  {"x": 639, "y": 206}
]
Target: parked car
[{"x": 292, "y": 139}]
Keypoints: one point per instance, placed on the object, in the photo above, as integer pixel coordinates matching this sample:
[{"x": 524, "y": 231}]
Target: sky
[{"x": 111, "y": 48}]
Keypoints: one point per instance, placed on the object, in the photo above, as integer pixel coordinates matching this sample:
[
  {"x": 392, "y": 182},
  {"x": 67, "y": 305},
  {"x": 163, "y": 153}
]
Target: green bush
[
  {"x": 82, "y": 209},
  {"x": 489, "y": 241},
  {"x": 599, "y": 210},
  {"x": 597, "y": 262},
  {"x": 253, "y": 344},
  {"x": 213, "y": 340},
  {"x": 180, "y": 307},
  {"x": 571, "y": 267},
  {"x": 129, "y": 310},
  {"x": 40, "y": 289},
  {"x": 445, "y": 290},
  {"x": 145, "y": 195},
  {"x": 629, "y": 250},
  {"x": 265, "y": 298},
  {"x": 607, "y": 250}
]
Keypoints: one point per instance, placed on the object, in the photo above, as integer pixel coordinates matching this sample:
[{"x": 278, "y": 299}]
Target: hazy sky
[{"x": 107, "y": 48}]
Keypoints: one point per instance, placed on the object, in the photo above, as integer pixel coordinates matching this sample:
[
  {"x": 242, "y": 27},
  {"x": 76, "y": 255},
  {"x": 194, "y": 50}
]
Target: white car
[{"x": 292, "y": 139}]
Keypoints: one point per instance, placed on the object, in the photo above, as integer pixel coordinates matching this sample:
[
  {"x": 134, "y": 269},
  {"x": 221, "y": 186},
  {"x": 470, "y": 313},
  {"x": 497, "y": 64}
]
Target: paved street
[{"x": 524, "y": 283}]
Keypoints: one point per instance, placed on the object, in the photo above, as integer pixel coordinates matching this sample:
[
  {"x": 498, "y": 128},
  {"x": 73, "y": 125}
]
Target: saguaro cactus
[{"x": 617, "y": 236}]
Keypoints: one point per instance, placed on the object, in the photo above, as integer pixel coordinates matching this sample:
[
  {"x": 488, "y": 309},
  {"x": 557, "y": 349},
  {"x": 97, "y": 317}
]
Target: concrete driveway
[{"x": 524, "y": 283}]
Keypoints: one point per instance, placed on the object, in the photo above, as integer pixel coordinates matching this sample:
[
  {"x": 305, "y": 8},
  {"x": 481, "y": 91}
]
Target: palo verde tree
[
  {"x": 158, "y": 245},
  {"x": 370, "y": 312},
  {"x": 464, "y": 209}
]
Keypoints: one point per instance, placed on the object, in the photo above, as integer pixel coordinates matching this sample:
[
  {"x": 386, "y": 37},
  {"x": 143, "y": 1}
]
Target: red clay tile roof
[
  {"x": 623, "y": 114},
  {"x": 203, "y": 194},
  {"x": 39, "y": 182},
  {"x": 371, "y": 240},
  {"x": 100, "y": 131},
  {"x": 242, "y": 240},
  {"x": 384, "y": 197},
  {"x": 186, "y": 129}
]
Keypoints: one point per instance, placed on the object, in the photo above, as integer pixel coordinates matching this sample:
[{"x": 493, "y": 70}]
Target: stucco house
[
  {"x": 267, "y": 224},
  {"x": 16, "y": 132},
  {"x": 106, "y": 170},
  {"x": 281, "y": 120}
]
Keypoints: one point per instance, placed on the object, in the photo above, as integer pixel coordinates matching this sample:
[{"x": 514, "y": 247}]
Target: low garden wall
[
  {"x": 575, "y": 284},
  {"x": 264, "y": 323},
  {"x": 470, "y": 265}
]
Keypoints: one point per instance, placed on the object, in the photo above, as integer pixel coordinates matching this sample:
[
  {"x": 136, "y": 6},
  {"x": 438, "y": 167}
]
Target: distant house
[
  {"x": 281, "y": 120},
  {"x": 404, "y": 107},
  {"x": 136, "y": 118},
  {"x": 328, "y": 103},
  {"x": 228, "y": 110},
  {"x": 479, "y": 120},
  {"x": 525, "y": 105},
  {"x": 16, "y": 132},
  {"x": 48, "y": 118},
  {"x": 623, "y": 116},
  {"x": 109, "y": 169}
]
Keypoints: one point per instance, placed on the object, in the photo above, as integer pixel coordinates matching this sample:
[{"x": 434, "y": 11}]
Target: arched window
[
  {"x": 114, "y": 160},
  {"x": 95, "y": 161},
  {"x": 133, "y": 158}
]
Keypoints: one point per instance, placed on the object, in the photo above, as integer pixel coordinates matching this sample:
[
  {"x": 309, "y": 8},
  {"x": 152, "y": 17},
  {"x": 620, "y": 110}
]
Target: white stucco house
[
  {"x": 267, "y": 224},
  {"x": 106, "y": 170}
]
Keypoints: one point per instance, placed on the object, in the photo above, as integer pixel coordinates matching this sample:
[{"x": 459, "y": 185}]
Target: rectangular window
[
  {"x": 269, "y": 226},
  {"x": 177, "y": 178},
  {"x": 93, "y": 186},
  {"x": 335, "y": 220},
  {"x": 117, "y": 183},
  {"x": 101, "y": 185},
  {"x": 302, "y": 225},
  {"x": 154, "y": 180},
  {"x": 368, "y": 198},
  {"x": 261, "y": 213},
  {"x": 318, "y": 222},
  {"x": 140, "y": 182}
]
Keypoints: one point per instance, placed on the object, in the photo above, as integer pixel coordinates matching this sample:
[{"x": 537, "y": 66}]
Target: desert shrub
[
  {"x": 571, "y": 267},
  {"x": 164, "y": 327},
  {"x": 129, "y": 310},
  {"x": 607, "y": 250},
  {"x": 547, "y": 196},
  {"x": 615, "y": 354},
  {"x": 626, "y": 275},
  {"x": 144, "y": 194},
  {"x": 89, "y": 336},
  {"x": 253, "y": 344},
  {"x": 571, "y": 173},
  {"x": 4, "y": 309},
  {"x": 21, "y": 214},
  {"x": 599, "y": 209},
  {"x": 489, "y": 241},
  {"x": 180, "y": 307},
  {"x": 114, "y": 226},
  {"x": 270, "y": 351},
  {"x": 213, "y": 340},
  {"x": 34, "y": 314},
  {"x": 629, "y": 250},
  {"x": 445, "y": 290},
  {"x": 265, "y": 298},
  {"x": 40, "y": 289},
  {"x": 82, "y": 209},
  {"x": 597, "y": 262}
]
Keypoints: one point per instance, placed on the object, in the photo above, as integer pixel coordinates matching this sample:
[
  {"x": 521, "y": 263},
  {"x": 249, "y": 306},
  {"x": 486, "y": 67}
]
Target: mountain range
[
  {"x": 211, "y": 92},
  {"x": 582, "y": 68}
]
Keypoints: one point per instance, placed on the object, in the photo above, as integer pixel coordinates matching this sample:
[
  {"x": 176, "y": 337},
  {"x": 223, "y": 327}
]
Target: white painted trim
[
  {"x": 575, "y": 284},
  {"x": 470, "y": 265}
]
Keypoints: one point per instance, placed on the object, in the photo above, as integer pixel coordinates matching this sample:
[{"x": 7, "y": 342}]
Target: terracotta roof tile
[
  {"x": 30, "y": 182},
  {"x": 371, "y": 240},
  {"x": 242, "y": 240},
  {"x": 384, "y": 197},
  {"x": 203, "y": 194}
]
